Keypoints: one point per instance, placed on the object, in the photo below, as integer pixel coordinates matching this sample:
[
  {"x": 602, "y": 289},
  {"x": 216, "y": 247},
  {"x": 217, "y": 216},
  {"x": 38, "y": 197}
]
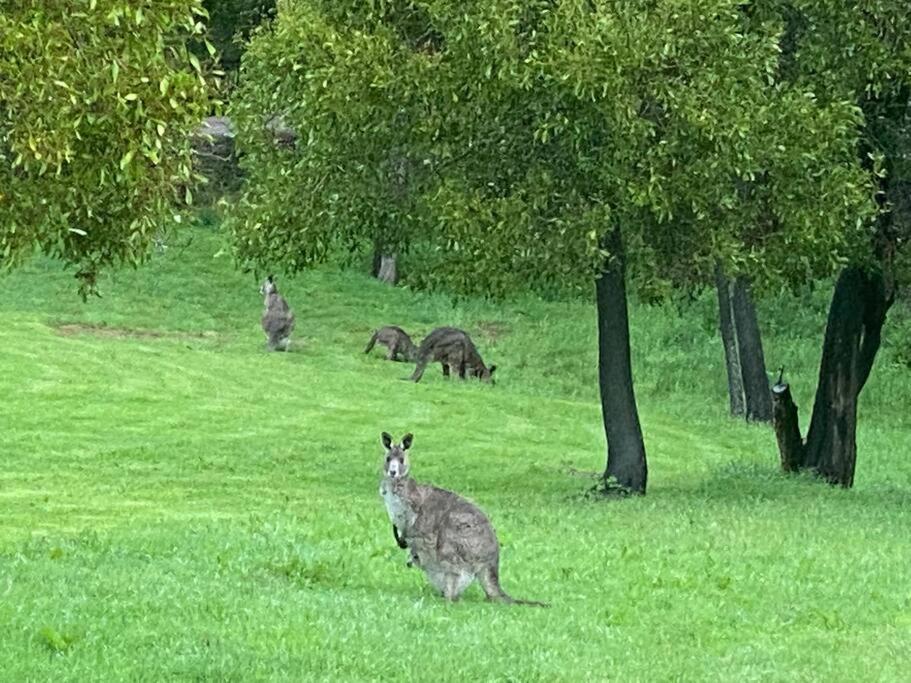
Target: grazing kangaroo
[
  {"x": 400, "y": 346},
  {"x": 454, "y": 349},
  {"x": 449, "y": 538},
  {"x": 278, "y": 319}
]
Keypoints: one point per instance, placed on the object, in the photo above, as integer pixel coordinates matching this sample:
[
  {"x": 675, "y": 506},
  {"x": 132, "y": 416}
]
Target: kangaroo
[
  {"x": 278, "y": 319},
  {"x": 400, "y": 346},
  {"x": 454, "y": 349},
  {"x": 450, "y": 539}
]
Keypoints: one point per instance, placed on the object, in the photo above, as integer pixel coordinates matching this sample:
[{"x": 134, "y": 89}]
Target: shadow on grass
[{"x": 744, "y": 482}]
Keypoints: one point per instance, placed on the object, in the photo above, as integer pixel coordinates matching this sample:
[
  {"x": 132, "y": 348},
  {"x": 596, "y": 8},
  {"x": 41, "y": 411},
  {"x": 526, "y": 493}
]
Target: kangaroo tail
[
  {"x": 371, "y": 342},
  {"x": 530, "y": 603},
  {"x": 490, "y": 582}
]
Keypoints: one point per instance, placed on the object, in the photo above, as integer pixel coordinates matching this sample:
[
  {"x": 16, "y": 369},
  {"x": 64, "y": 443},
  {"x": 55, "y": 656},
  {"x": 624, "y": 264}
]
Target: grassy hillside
[{"x": 178, "y": 504}]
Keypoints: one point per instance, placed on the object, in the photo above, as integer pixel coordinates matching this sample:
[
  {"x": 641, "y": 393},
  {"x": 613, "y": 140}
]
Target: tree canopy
[
  {"x": 97, "y": 99},
  {"x": 513, "y": 135}
]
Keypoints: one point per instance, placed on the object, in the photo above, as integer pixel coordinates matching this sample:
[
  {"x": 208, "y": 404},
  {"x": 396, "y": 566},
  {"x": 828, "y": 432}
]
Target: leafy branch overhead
[
  {"x": 97, "y": 100},
  {"x": 525, "y": 130}
]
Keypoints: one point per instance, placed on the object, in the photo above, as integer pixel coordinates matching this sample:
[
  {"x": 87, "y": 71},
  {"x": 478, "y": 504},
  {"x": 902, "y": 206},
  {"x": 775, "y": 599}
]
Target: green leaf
[{"x": 127, "y": 158}]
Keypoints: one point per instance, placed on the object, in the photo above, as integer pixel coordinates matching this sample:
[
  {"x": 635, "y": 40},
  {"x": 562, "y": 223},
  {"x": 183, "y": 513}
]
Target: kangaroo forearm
[{"x": 398, "y": 539}]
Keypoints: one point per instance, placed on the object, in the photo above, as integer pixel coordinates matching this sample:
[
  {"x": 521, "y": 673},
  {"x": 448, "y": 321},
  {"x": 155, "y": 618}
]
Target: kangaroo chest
[{"x": 396, "y": 507}]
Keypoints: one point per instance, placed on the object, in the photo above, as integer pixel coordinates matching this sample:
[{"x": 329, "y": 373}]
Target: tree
[
  {"x": 748, "y": 384},
  {"x": 860, "y": 54},
  {"x": 729, "y": 343},
  {"x": 96, "y": 106},
  {"x": 572, "y": 140},
  {"x": 356, "y": 166}
]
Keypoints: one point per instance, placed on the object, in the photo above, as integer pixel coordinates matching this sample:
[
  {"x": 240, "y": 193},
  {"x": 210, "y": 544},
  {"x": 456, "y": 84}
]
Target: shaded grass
[{"x": 180, "y": 505}]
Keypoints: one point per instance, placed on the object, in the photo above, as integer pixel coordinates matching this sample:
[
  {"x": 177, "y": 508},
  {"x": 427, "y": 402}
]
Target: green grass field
[{"x": 178, "y": 504}]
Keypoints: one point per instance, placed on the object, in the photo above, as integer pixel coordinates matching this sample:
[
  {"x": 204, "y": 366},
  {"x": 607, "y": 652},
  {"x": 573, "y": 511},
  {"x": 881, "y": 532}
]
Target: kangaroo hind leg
[{"x": 455, "y": 585}]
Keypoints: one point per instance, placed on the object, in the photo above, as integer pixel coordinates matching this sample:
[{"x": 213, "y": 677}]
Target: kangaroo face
[
  {"x": 396, "y": 465},
  {"x": 268, "y": 287},
  {"x": 486, "y": 374}
]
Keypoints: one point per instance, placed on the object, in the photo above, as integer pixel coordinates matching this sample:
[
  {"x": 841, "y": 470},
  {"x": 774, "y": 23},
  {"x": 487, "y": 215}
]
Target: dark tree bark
[
  {"x": 856, "y": 316},
  {"x": 752, "y": 360},
  {"x": 787, "y": 427},
  {"x": 729, "y": 341},
  {"x": 853, "y": 334},
  {"x": 626, "y": 462}
]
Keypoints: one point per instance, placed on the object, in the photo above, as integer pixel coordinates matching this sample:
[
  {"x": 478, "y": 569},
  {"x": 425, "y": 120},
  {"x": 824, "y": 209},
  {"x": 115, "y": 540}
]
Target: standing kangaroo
[
  {"x": 450, "y": 539},
  {"x": 454, "y": 349},
  {"x": 397, "y": 341},
  {"x": 278, "y": 319}
]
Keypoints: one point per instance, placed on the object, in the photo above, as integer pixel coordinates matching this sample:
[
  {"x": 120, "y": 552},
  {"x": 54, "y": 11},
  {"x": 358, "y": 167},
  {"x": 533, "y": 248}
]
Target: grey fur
[
  {"x": 449, "y": 538},
  {"x": 454, "y": 349},
  {"x": 400, "y": 346},
  {"x": 278, "y": 319}
]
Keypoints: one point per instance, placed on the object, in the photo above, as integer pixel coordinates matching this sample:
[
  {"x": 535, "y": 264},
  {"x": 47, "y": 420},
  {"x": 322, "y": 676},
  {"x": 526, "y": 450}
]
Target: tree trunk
[
  {"x": 626, "y": 463},
  {"x": 752, "y": 360},
  {"x": 384, "y": 267},
  {"x": 787, "y": 428},
  {"x": 729, "y": 341},
  {"x": 856, "y": 317},
  {"x": 388, "y": 272}
]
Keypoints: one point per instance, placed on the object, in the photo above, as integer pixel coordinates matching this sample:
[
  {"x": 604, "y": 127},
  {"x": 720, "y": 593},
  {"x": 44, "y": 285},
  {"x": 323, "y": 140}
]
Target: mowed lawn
[{"x": 178, "y": 504}]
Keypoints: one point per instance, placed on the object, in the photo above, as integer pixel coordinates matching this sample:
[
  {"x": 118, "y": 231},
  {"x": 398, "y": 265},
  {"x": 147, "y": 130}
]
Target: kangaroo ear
[
  {"x": 492, "y": 368},
  {"x": 406, "y": 441},
  {"x": 270, "y": 278},
  {"x": 387, "y": 440}
]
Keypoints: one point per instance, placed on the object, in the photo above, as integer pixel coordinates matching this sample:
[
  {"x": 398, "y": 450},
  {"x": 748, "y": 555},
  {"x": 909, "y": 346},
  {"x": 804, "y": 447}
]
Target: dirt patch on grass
[
  {"x": 493, "y": 329},
  {"x": 116, "y": 331}
]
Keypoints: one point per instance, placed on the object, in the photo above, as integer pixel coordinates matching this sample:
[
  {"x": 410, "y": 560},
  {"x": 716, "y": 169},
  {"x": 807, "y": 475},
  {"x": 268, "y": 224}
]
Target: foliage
[
  {"x": 861, "y": 53},
  {"x": 539, "y": 126},
  {"x": 96, "y": 101},
  {"x": 230, "y": 24},
  {"x": 197, "y": 509},
  {"x": 353, "y": 97}
]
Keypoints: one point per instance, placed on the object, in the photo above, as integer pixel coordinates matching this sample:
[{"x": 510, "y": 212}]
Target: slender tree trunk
[
  {"x": 384, "y": 266},
  {"x": 626, "y": 463},
  {"x": 752, "y": 359},
  {"x": 729, "y": 341},
  {"x": 388, "y": 271},
  {"x": 856, "y": 317}
]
